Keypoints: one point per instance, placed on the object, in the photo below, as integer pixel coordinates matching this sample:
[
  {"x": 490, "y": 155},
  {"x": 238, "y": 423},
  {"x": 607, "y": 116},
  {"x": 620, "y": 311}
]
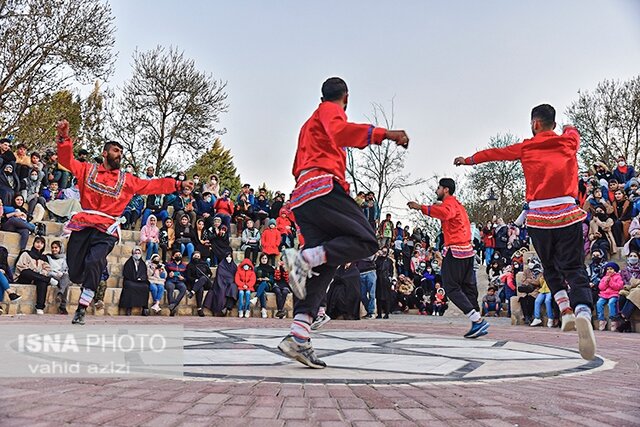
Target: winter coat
[
  {"x": 624, "y": 175},
  {"x": 630, "y": 272},
  {"x": 31, "y": 189},
  {"x": 149, "y": 233},
  {"x": 270, "y": 241},
  {"x": 600, "y": 229},
  {"x": 250, "y": 238},
  {"x": 156, "y": 275},
  {"x": 246, "y": 279},
  {"x": 501, "y": 237},
  {"x": 34, "y": 261},
  {"x": 223, "y": 207},
  {"x": 282, "y": 223},
  {"x": 197, "y": 269},
  {"x": 610, "y": 286}
]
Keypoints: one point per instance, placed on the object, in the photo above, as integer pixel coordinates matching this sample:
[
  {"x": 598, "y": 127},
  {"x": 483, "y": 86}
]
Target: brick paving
[{"x": 596, "y": 398}]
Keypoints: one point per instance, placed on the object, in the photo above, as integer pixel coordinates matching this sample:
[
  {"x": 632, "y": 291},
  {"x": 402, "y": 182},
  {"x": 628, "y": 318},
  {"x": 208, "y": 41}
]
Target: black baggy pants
[
  {"x": 336, "y": 222},
  {"x": 561, "y": 252},
  {"x": 459, "y": 282},
  {"x": 87, "y": 256}
]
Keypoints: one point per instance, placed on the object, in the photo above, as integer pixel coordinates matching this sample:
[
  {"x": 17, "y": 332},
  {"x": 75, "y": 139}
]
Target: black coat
[
  {"x": 135, "y": 286},
  {"x": 343, "y": 297},
  {"x": 384, "y": 273}
]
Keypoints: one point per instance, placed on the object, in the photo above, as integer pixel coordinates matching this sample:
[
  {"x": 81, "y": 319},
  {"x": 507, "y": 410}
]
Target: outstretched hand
[
  {"x": 399, "y": 136},
  {"x": 459, "y": 161},
  {"x": 414, "y": 205},
  {"x": 63, "y": 129}
]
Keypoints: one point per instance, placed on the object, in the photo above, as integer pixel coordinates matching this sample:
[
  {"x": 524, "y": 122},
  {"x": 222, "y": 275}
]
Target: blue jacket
[
  {"x": 261, "y": 205},
  {"x": 202, "y": 206}
]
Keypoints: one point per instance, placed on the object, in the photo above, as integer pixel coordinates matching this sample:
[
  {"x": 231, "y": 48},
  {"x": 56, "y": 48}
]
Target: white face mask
[
  {"x": 632, "y": 260},
  {"x": 229, "y": 259},
  {"x": 246, "y": 267},
  {"x": 621, "y": 163},
  {"x": 34, "y": 177},
  {"x": 137, "y": 257},
  {"x": 181, "y": 177},
  {"x": 196, "y": 180}
]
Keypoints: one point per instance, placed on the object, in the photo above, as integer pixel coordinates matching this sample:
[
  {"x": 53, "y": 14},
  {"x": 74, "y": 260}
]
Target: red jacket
[
  {"x": 549, "y": 162},
  {"x": 106, "y": 191},
  {"x": 488, "y": 239},
  {"x": 223, "y": 206},
  {"x": 270, "y": 241},
  {"x": 282, "y": 223},
  {"x": 455, "y": 221},
  {"x": 246, "y": 278},
  {"x": 323, "y": 139}
]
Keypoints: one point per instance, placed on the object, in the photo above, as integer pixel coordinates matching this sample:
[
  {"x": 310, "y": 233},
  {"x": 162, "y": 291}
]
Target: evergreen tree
[{"x": 218, "y": 161}]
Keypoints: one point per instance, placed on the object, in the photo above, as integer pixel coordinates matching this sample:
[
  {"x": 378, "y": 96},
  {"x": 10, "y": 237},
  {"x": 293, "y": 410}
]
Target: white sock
[
  {"x": 562, "y": 299},
  {"x": 321, "y": 311},
  {"x": 583, "y": 310},
  {"x": 473, "y": 315},
  {"x": 86, "y": 297},
  {"x": 301, "y": 327},
  {"x": 315, "y": 256}
]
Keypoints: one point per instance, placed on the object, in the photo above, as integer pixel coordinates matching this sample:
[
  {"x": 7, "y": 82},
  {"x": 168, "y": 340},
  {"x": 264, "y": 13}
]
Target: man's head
[
  {"x": 177, "y": 256},
  {"x": 35, "y": 158},
  {"x": 388, "y": 217},
  {"x": 112, "y": 155},
  {"x": 149, "y": 171},
  {"x": 446, "y": 187},
  {"x": 250, "y": 224},
  {"x": 5, "y": 145},
  {"x": 613, "y": 185},
  {"x": 491, "y": 290},
  {"x": 196, "y": 256},
  {"x": 335, "y": 90},
  {"x": 53, "y": 186},
  {"x": 83, "y": 155},
  {"x": 543, "y": 118},
  {"x": 245, "y": 188},
  {"x": 22, "y": 149},
  {"x": 262, "y": 192}
]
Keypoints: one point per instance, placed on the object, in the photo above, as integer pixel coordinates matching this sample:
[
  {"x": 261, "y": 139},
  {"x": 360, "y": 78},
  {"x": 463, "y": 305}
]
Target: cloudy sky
[{"x": 460, "y": 71}]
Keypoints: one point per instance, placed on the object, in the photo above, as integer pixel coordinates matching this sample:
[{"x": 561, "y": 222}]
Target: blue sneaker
[{"x": 477, "y": 329}]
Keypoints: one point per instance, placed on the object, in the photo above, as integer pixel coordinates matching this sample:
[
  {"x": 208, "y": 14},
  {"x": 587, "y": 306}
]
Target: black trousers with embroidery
[
  {"x": 459, "y": 282},
  {"x": 87, "y": 253}
]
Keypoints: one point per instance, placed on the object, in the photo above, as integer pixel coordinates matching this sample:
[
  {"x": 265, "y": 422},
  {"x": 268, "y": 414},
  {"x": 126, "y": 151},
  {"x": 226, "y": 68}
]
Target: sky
[{"x": 459, "y": 71}]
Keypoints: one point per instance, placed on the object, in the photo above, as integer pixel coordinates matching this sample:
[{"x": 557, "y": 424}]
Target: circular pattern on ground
[{"x": 372, "y": 357}]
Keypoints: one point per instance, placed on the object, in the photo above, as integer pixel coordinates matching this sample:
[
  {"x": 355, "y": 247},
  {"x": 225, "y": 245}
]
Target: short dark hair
[
  {"x": 57, "y": 243},
  {"x": 108, "y": 145},
  {"x": 22, "y": 145},
  {"x": 35, "y": 153},
  {"x": 83, "y": 152},
  {"x": 3, "y": 140},
  {"x": 545, "y": 113},
  {"x": 334, "y": 89},
  {"x": 448, "y": 183}
]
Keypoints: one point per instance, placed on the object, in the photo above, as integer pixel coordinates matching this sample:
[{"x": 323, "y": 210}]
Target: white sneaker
[
  {"x": 320, "y": 322},
  {"x": 53, "y": 282},
  {"x": 586, "y": 338},
  {"x": 247, "y": 313},
  {"x": 39, "y": 311},
  {"x": 264, "y": 313},
  {"x": 568, "y": 322},
  {"x": 254, "y": 300},
  {"x": 155, "y": 307},
  {"x": 536, "y": 322},
  {"x": 240, "y": 313},
  {"x": 299, "y": 272},
  {"x": 549, "y": 323}
]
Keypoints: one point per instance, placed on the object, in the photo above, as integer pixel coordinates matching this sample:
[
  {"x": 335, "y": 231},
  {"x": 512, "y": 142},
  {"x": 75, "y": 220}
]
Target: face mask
[
  {"x": 246, "y": 267},
  {"x": 516, "y": 266},
  {"x": 595, "y": 256},
  {"x": 129, "y": 169},
  {"x": 34, "y": 177},
  {"x": 196, "y": 258},
  {"x": 228, "y": 259},
  {"x": 531, "y": 265},
  {"x": 137, "y": 257},
  {"x": 196, "y": 180},
  {"x": 207, "y": 199},
  {"x": 621, "y": 163},
  {"x": 602, "y": 216},
  {"x": 177, "y": 258},
  {"x": 632, "y": 260},
  {"x": 181, "y": 177}
]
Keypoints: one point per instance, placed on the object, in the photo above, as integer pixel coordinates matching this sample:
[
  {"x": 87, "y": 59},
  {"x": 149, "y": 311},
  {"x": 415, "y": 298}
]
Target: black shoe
[
  {"x": 78, "y": 317},
  {"x": 62, "y": 310},
  {"x": 145, "y": 312},
  {"x": 127, "y": 312},
  {"x": 379, "y": 316},
  {"x": 190, "y": 294},
  {"x": 14, "y": 297},
  {"x": 41, "y": 229},
  {"x": 200, "y": 312},
  {"x": 173, "y": 308},
  {"x": 386, "y": 316},
  {"x": 625, "y": 326}
]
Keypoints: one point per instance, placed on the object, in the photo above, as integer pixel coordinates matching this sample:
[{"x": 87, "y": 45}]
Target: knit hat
[
  {"x": 635, "y": 181},
  {"x": 613, "y": 265},
  {"x": 272, "y": 221}
]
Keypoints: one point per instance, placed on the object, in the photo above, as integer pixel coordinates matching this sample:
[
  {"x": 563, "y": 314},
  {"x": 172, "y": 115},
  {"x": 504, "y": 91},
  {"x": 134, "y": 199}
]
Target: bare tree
[
  {"x": 380, "y": 168},
  {"x": 609, "y": 121},
  {"x": 167, "y": 112},
  {"x": 45, "y": 45}
]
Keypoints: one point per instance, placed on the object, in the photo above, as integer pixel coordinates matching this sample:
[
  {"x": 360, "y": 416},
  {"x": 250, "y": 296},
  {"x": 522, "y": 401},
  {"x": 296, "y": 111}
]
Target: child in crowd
[
  {"x": 439, "y": 300},
  {"x": 270, "y": 240},
  {"x": 284, "y": 226},
  {"x": 281, "y": 289},
  {"x": 491, "y": 302},
  {"x": 610, "y": 286},
  {"x": 245, "y": 280}
]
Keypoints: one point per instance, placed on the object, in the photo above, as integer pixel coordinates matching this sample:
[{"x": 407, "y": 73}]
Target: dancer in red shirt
[
  {"x": 554, "y": 221},
  {"x": 335, "y": 230},
  {"x": 458, "y": 275},
  {"x": 105, "y": 191}
]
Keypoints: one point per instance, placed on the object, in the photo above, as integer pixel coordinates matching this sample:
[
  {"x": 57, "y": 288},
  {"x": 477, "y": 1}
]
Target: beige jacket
[{"x": 25, "y": 262}]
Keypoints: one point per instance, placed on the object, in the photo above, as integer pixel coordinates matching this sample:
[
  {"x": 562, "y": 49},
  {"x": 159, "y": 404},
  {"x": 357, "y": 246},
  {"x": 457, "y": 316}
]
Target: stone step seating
[{"x": 116, "y": 260}]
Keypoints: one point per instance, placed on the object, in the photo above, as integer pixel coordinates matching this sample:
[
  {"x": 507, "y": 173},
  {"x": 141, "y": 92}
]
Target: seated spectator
[
  {"x": 83, "y": 156},
  {"x": 439, "y": 301},
  {"x": 6, "y": 276},
  {"x": 55, "y": 171},
  {"x": 281, "y": 289},
  {"x": 623, "y": 172},
  {"x": 52, "y": 192},
  {"x": 265, "y": 281},
  {"x": 276, "y": 204},
  {"x": 132, "y": 212},
  {"x": 198, "y": 187},
  {"x": 242, "y": 213},
  {"x": 155, "y": 205},
  {"x": 270, "y": 241},
  {"x": 247, "y": 193},
  {"x": 544, "y": 297},
  {"x": 60, "y": 271},
  {"x": 184, "y": 204},
  {"x": 621, "y": 217},
  {"x": 384, "y": 274},
  {"x": 150, "y": 236},
  {"x": 285, "y": 228},
  {"x": 157, "y": 275},
  {"x": 14, "y": 220},
  {"x": 60, "y": 208},
  {"x": 185, "y": 236},
  {"x": 9, "y": 184},
  {"x": 167, "y": 238},
  {"x": 508, "y": 280},
  {"x": 596, "y": 200},
  {"x": 245, "y": 281},
  {"x": 23, "y": 161},
  {"x": 601, "y": 171},
  {"x": 610, "y": 286},
  {"x": 224, "y": 293},
  {"x": 135, "y": 284},
  {"x": 251, "y": 241},
  {"x": 203, "y": 240},
  {"x": 491, "y": 302},
  {"x": 596, "y": 272},
  {"x": 528, "y": 289},
  {"x": 176, "y": 280},
  {"x": 32, "y": 267},
  {"x": 600, "y": 233},
  {"x": 261, "y": 206},
  {"x": 32, "y": 185},
  {"x": 198, "y": 280},
  {"x": 224, "y": 208},
  {"x": 204, "y": 208},
  {"x": 220, "y": 244},
  {"x": 36, "y": 163},
  {"x": 6, "y": 155},
  {"x": 213, "y": 186}
]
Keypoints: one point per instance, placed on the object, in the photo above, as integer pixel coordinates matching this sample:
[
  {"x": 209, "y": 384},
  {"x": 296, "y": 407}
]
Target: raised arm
[
  {"x": 439, "y": 211},
  {"x": 153, "y": 186},
  {"x": 508, "y": 153},
  {"x": 65, "y": 150}
]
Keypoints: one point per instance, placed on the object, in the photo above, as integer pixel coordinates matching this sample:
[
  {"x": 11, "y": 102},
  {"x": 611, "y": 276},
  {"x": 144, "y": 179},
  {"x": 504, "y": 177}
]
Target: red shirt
[
  {"x": 455, "y": 221},
  {"x": 107, "y": 191},
  {"x": 323, "y": 141},
  {"x": 549, "y": 162},
  {"x": 223, "y": 206}
]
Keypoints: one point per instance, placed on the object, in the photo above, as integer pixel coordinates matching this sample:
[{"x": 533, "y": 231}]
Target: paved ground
[{"x": 600, "y": 394}]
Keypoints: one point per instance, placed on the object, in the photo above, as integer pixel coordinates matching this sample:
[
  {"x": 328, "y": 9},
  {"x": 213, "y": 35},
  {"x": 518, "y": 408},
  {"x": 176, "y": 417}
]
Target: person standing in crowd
[
  {"x": 384, "y": 274},
  {"x": 333, "y": 226},
  {"x": 458, "y": 274},
  {"x": 554, "y": 220},
  {"x": 367, "y": 268},
  {"x": 386, "y": 231},
  {"x": 157, "y": 275}
]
